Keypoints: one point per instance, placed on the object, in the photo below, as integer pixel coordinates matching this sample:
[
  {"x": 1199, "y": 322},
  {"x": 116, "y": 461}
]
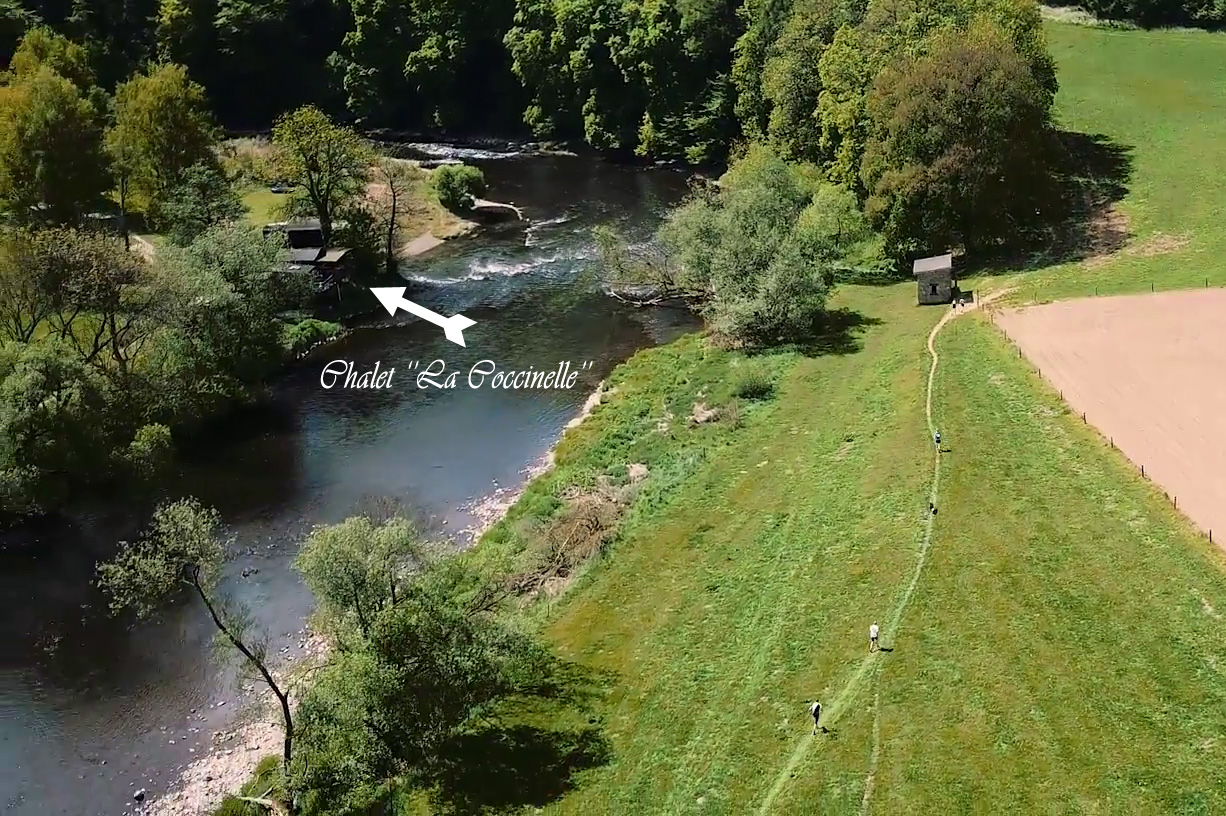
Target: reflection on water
[{"x": 89, "y": 707}]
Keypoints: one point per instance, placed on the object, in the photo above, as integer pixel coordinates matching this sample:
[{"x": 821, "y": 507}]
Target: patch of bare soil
[
  {"x": 1159, "y": 244},
  {"x": 1108, "y": 233}
]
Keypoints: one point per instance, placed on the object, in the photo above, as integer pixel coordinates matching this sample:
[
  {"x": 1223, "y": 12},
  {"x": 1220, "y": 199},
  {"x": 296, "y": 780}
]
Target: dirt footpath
[{"x": 1150, "y": 372}]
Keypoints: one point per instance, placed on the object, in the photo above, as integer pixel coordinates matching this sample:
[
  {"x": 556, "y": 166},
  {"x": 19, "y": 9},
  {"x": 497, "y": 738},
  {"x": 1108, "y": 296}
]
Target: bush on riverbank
[
  {"x": 757, "y": 253},
  {"x": 457, "y": 185}
]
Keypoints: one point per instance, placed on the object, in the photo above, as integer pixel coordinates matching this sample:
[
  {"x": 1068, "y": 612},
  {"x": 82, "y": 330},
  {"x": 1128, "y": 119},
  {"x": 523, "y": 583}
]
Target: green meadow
[{"x": 1052, "y": 631}]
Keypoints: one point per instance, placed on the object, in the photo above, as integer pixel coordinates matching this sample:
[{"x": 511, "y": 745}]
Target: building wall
[{"x": 935, "y": 287}]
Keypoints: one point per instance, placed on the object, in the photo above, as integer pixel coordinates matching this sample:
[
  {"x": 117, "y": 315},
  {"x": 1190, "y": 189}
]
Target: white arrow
[{"x": 392, "y": 298}]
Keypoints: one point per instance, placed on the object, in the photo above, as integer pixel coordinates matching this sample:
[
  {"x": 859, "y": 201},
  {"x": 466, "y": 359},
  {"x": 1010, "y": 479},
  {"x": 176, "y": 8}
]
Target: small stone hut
[{"x": 935, "y": 279}]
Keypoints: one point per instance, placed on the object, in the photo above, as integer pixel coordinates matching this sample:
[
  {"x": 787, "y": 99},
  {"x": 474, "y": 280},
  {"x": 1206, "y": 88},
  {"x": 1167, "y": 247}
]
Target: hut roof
[{"x": 937, "y": 263}]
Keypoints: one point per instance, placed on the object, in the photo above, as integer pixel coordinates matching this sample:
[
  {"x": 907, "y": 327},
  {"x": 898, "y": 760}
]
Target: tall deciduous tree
[
  {"x": 358, "y": 568},
  {"x": 394, "y": 181},
  {"x": 184, "y": 550},
  {"x": 51, "y": 164},
  {"x": 43, "y": 47},
  {"x": 957, "y": 147},
  {"x": 163, "y": 127},
  {"x": 327, "y": 161}
]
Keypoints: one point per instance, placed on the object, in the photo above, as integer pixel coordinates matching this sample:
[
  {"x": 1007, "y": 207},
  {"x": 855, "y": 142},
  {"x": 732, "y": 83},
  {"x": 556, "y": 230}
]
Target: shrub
[
  {"x": 754, "y": 384},
  {"x": 300, "y": 337},
  {"x": 457, "y": 185}
]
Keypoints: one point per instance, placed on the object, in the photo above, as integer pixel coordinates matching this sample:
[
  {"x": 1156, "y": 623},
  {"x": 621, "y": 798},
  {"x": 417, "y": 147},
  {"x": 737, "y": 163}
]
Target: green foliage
[
  {"x": 203, "y": 199},
  {"x": 328, "y": 163},
  {"x": 225, "y": 333},
  {"x": 181, "y": 548},
  {"x": 358, "y": 568},
  {"x": 162, "y": 128},
  {"x": 306, "y": 334},
  {"x": 432, "y": 661},
  {"x": 1153, "y": 13},
  {"x": 457, "y": 185},
  {"x": 41, "y": 47},
  {"x": 652, "y": 78},
  {"x": 760, "y": 250},
  {"x": 448, "y": 54},
  {"x": 150, "y": 451},
  {"x": 50, "y": 430},
  {"x": 958, "y": 145},
  {"x": 51, "y": 163}
]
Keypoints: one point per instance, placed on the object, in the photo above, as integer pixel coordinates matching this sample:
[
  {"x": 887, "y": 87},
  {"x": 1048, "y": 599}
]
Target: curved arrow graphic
[{"x": 392, "y": 298}]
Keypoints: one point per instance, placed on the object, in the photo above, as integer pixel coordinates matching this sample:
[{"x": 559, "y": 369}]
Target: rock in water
[{"x": 139, "y": 796}]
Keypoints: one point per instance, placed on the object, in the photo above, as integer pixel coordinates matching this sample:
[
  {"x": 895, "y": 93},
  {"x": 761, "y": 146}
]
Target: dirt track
[{"x": 1148, "y": 371}]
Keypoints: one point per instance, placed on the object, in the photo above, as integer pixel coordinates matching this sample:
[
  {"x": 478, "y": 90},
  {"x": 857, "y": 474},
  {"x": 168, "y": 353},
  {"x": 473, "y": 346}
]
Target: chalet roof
[
  {"x": 306, "y": 255},
  {"x": 937, "y": 263},
  {"x": 333, "y": 255}
]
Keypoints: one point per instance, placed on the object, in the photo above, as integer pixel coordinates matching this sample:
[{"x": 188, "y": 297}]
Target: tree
[
  {"x": 203, "y": 199},
  {"x": 25, "y": 297},
  {"x": 183, "y": 549},
  {"x": 43, "y": 47},
  {"x": 51, "y": 163},
  {"x": 162, "y": 127},
  {"x": 394, "y": 182},
  {"x": 433, "y": 661},
  {"x": 757, "y": 254},
  {"x": 230, "y": 284},
  {"x": 958, "y": 145},
  {"x": 358, "y": 568},
  {"x": 53, "y": 432},
  {"x": 328, "y": 162}
]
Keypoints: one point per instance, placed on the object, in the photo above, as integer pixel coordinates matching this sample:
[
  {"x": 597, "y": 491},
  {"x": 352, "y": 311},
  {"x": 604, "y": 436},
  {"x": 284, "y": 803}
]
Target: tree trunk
[{"x": 287, "y": 751}]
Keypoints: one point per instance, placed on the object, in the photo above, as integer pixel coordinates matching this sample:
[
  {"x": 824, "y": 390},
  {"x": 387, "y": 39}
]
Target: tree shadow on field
[
  {"x": 504, "y": 764},
  {"x": 504, "y": 769},
  {"x": 837, "y": 331},
  {"x": 1076, "y": 218}
]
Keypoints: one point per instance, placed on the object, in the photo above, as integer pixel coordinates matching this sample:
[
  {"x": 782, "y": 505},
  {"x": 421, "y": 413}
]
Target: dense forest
[{"x": 664, "y": 79}]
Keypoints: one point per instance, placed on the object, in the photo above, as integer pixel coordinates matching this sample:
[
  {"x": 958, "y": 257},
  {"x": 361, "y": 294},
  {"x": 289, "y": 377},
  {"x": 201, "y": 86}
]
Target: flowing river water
[{"x": 92, "y": 709}]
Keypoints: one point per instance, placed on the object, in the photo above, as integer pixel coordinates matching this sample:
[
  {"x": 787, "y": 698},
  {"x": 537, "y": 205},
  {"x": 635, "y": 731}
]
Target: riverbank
[{"x": 235, "y": 753}]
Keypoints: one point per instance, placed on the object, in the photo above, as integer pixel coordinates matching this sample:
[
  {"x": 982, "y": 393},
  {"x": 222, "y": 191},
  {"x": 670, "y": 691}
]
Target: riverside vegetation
[{"x": 642, "y": 629}]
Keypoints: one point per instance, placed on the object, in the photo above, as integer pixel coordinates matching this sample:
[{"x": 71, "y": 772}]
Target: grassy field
[
  {"x": 263, "y": 205},
  {"x": 1161, "y": 96},
  {"x": 1058, "y": 654}
]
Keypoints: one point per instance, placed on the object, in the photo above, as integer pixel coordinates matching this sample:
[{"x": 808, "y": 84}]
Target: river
[{"x": 92, "y": 709}]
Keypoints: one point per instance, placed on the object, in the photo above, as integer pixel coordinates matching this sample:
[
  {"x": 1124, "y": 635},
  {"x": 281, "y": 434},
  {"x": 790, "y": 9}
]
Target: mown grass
[
  {"x": 1160, "y": 95},
  {"x": 1060, "y": 654},
  {"x": 749, "y": 568}
]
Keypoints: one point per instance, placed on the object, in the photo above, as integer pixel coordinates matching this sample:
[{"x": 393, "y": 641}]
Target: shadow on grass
[
  {"x": 837, "y": 332},
  {"x": 506, "y": 764},
  {"x": 507, "y": 768},
  {"x": 1090, "y": 173}
]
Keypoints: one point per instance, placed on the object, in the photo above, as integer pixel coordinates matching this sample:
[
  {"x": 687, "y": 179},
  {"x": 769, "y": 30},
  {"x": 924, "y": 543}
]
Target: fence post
[
  {"x": 1142, "y": 471},
  {"x": 1151, "y": 286},
  {"x": 1083, "y": 417}
]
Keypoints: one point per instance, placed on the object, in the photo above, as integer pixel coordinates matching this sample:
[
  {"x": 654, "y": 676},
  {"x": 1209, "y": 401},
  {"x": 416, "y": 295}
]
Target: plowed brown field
[{"x": 1149, "y": 371}]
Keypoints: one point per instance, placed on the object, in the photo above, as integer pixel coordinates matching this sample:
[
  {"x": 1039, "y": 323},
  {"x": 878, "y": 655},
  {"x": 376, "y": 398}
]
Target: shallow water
[{"x": 89, "y": 706}]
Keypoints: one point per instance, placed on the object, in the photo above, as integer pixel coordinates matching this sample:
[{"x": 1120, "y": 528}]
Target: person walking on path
[
  {"x": 936, "y": 437},
  {"x": 816, "y": 711},
  {"x": 872, "y": 638}
]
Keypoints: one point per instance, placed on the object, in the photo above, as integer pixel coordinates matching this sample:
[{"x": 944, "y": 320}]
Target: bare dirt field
[{"x": 1148, "y": 371}]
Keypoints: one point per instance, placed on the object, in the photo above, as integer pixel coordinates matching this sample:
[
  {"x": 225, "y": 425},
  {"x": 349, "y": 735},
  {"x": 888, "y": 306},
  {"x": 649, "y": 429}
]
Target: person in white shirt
[
  {"x": 872, "y": 638},
  {"x": 816, "y": 710}
]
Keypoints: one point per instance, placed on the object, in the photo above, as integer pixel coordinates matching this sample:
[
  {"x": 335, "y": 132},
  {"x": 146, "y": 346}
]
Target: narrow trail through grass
[{"x": 851, "y": 688}]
